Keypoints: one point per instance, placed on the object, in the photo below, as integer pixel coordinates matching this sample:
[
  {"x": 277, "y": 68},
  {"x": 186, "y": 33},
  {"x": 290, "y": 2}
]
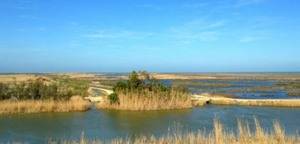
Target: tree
[{"x": 134, "y": 81}]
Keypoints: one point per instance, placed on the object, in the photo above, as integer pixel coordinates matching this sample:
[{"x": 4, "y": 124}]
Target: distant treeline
[{"x": 39, "y": 89}]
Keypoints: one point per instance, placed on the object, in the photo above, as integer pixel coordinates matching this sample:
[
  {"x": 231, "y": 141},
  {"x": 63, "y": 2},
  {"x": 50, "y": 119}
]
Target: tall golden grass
[
  {"x": 243, "y": 135},
  {"x": 149, "y": 100},
  {"x": 38, "y": 106}
]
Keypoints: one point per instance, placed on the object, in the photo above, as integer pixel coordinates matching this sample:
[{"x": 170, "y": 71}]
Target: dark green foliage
[
  {"x": 4, "y": 91},
  {"x": 121, "y": 85},
  {"x": 113, "y": 98},
  {"x": 134, "y": 82}
]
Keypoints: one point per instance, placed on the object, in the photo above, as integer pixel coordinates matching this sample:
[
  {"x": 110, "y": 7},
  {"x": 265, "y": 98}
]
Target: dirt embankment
[{"x": 221, "y": 100}]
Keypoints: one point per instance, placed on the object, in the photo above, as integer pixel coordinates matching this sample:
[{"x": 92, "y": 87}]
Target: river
[{"x": 108, "y": 124}]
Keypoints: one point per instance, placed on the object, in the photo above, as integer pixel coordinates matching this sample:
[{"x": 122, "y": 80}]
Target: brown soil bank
[{"x": 39, "y": 106}]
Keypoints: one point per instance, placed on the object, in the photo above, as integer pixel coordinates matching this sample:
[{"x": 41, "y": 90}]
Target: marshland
[
  {"x": 149, "y": 72},
  {"x": 144, "y": 109}
]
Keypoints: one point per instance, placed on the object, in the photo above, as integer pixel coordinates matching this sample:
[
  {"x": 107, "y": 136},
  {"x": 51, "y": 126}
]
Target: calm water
[
  {"x": 248, "y": 89},
  {"x": 37, "y": 128}
]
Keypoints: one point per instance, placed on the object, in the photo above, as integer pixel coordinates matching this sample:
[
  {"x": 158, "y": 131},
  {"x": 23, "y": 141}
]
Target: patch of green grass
[{"x": 77, "y": 86}]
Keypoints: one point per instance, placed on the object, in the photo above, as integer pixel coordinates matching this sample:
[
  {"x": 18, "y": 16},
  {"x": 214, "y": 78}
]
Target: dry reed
[
  {"x": 38, "y": 106},
  {"x": 149, "y": 100},
  {"x": 218, "y": 135}
]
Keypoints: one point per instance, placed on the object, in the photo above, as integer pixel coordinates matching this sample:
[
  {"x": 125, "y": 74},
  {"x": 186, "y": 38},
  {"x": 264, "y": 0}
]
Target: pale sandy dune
[
  {"x": 20, "y": 77},
  {"x": 183, "y": 77}
]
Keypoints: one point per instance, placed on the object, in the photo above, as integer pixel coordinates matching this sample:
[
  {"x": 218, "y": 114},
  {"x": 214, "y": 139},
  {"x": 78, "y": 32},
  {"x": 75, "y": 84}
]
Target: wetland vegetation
[
  {"x": 43, "y": 95},
  {"x": 142, "y": 92},
  {"x": 292, "y": 87}
]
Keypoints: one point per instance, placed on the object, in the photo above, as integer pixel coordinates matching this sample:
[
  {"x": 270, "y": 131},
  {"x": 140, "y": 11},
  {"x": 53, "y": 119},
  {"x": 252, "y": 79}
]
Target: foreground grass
[
  {"x": 243, "y": 135},
  {"x": 149, "y": 100},
  {"x": 38, "y": 106}
]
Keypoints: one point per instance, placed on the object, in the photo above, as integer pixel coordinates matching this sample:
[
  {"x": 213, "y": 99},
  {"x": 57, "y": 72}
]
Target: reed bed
[
  {"x": 149, "y": 100},
  {"x": 219, "y": 135},
  {"x": 39, "y": 106}
]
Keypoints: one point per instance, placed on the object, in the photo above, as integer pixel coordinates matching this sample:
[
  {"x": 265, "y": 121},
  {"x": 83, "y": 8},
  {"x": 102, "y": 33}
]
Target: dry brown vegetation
[
  {"x": 149, "y": 100},
  {"x": 217, "y": 136},
  {"x": 38, "y": 106},
  {"x": 20, "y": 77}
]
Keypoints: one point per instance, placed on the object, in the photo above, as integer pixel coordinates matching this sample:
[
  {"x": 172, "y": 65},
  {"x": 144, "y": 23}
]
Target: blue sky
[{"x": 156, "y": 35}]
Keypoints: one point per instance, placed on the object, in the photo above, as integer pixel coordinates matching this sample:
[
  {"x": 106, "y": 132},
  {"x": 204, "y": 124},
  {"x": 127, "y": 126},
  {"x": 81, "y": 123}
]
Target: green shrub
[
  {"x": 113, "y": 98},
  {"x": 121, "y": 85},
  {"x": 134, "y": 82}
]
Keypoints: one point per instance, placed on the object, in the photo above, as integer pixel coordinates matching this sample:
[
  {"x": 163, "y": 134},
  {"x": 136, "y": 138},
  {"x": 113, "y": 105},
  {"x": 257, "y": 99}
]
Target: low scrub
[
  {"x": 38, "y": 106},
  {"x": 141, "y": 92},
  {"x": 219, "y": 135},
  {"x": 40, "y": 89}
]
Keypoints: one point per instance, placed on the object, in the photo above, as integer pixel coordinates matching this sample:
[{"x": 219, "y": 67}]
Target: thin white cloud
[
  {"x": 200, "y": 25},
  {"x": 124, "y": 34}
]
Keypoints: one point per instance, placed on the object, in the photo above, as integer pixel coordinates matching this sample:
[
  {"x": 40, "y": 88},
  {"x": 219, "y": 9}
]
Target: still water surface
[{"x": 107, "y": 124}]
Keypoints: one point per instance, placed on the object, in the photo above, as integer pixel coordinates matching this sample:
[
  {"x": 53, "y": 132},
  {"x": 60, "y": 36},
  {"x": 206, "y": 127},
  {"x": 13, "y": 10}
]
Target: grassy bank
[
  {"x": 141, "y": 92},
  {"x": 219, "y": 135},
  {"x": 38, "y": 106}
]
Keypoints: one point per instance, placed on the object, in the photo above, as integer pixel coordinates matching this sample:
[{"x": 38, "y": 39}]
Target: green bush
[
  {"x": 113, "y": 98},
  {"x": 121, "y": 85},
  {"x": 134, "y": 82}
]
